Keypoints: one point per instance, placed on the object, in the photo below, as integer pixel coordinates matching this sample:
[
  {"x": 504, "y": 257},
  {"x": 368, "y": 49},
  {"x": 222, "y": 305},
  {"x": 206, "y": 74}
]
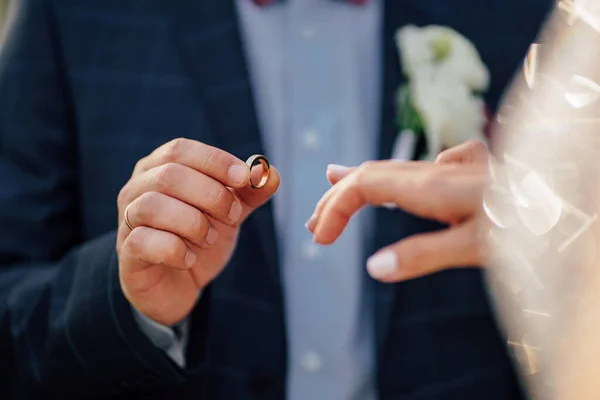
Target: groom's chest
[{"x": 317, "y": 78}]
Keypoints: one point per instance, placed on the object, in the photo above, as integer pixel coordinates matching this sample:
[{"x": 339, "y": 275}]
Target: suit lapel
[{"x": 207, "y": 35}]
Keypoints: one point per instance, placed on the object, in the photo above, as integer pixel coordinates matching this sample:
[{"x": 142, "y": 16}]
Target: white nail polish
[
  {"x": 383, "y": 264},
  {"x": 339, "y": 169}
]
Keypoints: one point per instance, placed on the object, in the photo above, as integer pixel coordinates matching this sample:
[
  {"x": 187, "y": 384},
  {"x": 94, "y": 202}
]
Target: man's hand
[
  {"x": 449, "y": 191},
  {"x": 186, "y": 202}
]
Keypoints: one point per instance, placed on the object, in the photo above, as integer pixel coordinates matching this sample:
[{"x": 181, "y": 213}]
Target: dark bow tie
[{"x": 269, "y": 2}]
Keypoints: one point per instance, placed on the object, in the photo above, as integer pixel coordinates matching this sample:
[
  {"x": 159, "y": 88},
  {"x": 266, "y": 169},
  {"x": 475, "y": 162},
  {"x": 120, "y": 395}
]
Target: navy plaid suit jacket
[{"x": 88, "y": 87}]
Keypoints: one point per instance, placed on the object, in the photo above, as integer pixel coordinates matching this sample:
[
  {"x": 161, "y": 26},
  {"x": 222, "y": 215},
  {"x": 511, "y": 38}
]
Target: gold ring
[
  {"x": 266, "y": 169},
  {"x": 126, "y": 217}
]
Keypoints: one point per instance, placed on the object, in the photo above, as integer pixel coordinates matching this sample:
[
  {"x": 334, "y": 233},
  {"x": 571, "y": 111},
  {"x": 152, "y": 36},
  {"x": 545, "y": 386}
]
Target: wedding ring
[
  {"x": 266, "y": 169},
  {"x": 126, "y": 217}
]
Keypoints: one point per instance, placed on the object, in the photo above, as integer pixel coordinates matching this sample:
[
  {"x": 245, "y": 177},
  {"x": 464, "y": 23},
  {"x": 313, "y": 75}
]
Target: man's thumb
[{"x": 253, "y": 198}]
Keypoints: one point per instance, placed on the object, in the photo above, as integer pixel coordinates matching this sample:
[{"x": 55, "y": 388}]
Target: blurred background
[{"x": 4, "y": 16}]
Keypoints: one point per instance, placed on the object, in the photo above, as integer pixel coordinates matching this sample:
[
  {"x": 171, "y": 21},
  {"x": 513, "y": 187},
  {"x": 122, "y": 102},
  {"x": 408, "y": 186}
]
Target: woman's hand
[{"x": 449, "y": 191}]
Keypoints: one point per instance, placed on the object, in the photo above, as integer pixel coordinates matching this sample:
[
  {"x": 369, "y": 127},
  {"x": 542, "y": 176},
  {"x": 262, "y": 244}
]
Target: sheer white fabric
[{"x": 542, "y": 207}]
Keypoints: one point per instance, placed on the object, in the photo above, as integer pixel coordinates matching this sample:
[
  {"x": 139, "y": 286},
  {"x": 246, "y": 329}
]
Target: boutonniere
[{"x": 442, "y": 96}]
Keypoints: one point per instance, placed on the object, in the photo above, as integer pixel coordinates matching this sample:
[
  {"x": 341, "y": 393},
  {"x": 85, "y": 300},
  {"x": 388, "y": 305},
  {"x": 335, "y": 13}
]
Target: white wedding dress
[{"x": 543, "y": 206}]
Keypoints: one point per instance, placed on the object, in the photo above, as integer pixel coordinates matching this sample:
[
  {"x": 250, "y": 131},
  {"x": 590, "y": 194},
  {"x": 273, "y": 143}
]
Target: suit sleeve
[
  {"x": 172, "y": 340},
  {"x": 65, "y": 325}
]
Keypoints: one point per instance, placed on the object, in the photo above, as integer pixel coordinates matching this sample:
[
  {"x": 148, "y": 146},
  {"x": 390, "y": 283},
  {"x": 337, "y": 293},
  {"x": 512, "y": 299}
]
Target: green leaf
[{"x": 407, "y": 116}]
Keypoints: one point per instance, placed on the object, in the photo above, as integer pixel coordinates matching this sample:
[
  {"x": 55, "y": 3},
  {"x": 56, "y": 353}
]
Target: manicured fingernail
[
  {"x": 238, "y": 174},
  {"x": 339, "y": 169},
  {"x": 383, "y": 264},
  {"x": 212, "y": 236},
  {"x": 235, "y": 212},
  {"x": 190, "y": 258}
]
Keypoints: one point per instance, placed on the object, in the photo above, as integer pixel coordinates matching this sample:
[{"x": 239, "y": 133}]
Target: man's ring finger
[{"x": 126, "y": 217}]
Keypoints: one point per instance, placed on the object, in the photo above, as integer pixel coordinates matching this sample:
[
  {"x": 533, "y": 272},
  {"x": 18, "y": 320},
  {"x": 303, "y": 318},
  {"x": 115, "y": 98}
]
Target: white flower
[
  {"x": 444, "y": 72},
  {"x": 450, "y": 112},
  {"x": 441, "y": 48}
]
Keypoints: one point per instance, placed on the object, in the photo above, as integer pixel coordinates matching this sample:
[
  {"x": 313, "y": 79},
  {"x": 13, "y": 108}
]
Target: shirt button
[
  {"x": 308, "y": 32},
  {"x": 311, "y": 362},
  {"x": 310, "y": 139},
  {"x": 310, "y": 250}
]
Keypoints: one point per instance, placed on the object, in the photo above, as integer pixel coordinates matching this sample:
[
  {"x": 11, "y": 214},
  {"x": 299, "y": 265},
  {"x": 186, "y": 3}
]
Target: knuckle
[
  {"x": 363, "y": 171},
  {"x": 123, "y": 196},
  {"x": 353, "y": 182},
  {"x": 367, "y": 168},
  {"x": 443, "y": 156},
  {"x": 219, "y": 197},
  {"x": 174, "y": 249},
  {"x": 140, "y": 166},
  {"x": 477, "y": 148},
  {"x": 211, "y": 157},
  {"x": 134, "y": 244},
  {"x": 199, "y": 225},
  {"x": 368, "y": 164},
  {"x": 475, "y": 144},
  {"x": 147, "y": 205},
  {"x": 166, "y": 176},
  {"x": 175, "y": 149}
]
